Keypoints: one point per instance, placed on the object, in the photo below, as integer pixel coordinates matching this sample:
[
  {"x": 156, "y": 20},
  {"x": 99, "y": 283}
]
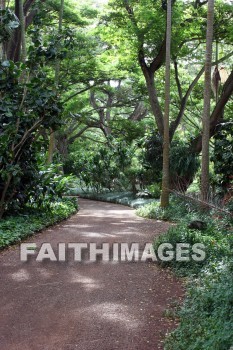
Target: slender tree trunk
[
  {"x": 166, "y": 139},
  {"x": 3, "y": 44},
  {"x": 13, "y": 46},
  {"x": 206, "y": 109},
  {"x": 3, "y": 195},
  {"x": 22, "y": 32},
  {"x": 57, "y": 73},
  {"x": 57, "y": 64},
  {"x": 51, "y": 147}
]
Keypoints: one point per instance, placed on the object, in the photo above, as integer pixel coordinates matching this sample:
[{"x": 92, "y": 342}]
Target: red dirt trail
[{"x": 84, "y": 305}]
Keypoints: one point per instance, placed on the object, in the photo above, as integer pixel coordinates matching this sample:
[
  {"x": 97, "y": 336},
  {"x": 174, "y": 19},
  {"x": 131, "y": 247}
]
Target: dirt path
[{"x": 87, "y": 306}]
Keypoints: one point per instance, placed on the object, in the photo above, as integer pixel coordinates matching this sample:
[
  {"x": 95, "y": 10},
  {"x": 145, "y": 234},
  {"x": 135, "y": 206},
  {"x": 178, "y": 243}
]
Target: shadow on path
[{"x": 87, "y": 306}]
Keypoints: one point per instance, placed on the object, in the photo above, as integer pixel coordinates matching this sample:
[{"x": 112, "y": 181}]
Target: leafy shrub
[
  {"x": 223, "y": 155},
  {"x": 154, "y": 190},
  {"x": 177, "y": 210},
  {"x": 25, "y": 108},
  {"x": 51, "y": 185},
  {"x": 206, "y": 318},
  {"x": 13, "y": 229},
  {"x": 217, "y": 245},
  {"x": 103, "y": 168},
  {"x": 183, "y": 163}
]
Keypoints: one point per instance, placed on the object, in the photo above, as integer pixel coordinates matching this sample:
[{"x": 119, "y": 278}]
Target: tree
[
  {"x": 13, "y": 47},
  {"x": 141, "y": 27},
  {"x": 166, "y": 141},
  {"x": 22, "y": 32},
  {"x": 206, "y": 110},
  {"x": 57, "y": 74}
]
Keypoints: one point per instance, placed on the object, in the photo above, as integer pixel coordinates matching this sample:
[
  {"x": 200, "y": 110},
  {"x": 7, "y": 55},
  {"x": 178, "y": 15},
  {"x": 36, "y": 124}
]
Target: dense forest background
[
  {"x": 128, "y": 101},
  {"x": 82, "y": 93}
]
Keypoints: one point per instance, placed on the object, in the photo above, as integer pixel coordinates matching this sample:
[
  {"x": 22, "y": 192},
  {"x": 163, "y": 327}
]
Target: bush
[
  {"x": 154, "y": 190},
  {"x": 100, "y": 169},
  {"x": 20, "y": 124},
  {"x": 206, "y": 317},
  {"x": 177, "y": 210},
  {"x": 13, "y": 229},
  {"x": 217, "y": 245},
  {"x": 183, "y": 163},
  {"x": 216, "y": 235},
  {"x": 223, "y": 156}
]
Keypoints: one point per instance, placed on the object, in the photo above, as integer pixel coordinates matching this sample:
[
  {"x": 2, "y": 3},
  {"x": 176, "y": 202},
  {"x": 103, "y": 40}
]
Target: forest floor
[{"x": 87, "y": 305}]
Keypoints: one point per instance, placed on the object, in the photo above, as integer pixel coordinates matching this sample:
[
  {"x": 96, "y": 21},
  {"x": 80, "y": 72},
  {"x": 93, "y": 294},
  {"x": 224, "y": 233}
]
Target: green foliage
[
  {"x": 153, "y": 155},
  {"x": 217, "y": 242},
  {"x": 14, "y": 229},
  {"x": 124, "y": 198},
  {"x": 154, "y": 190},
  {"x": 206, "y": 317},
  {"x": 230, "y": 206},
  {"x": 216, "y": 236},
  {"x": 100, "y": 169},
  {"x": 49, "y": 186},
  {"x": 176, "y": 211},
  {"x": 9, "y": 22},
  {"x": 71, "y": 15},
  {"x": 26, "y": 108},
  {"x": 183, "y": 163},
  {"x": 223, "y": 155}
]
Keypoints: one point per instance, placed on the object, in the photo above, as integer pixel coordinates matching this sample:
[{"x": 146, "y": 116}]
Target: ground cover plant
[
  {"x": 206, "y": 316},
  {"x": 14, "y": 229}
]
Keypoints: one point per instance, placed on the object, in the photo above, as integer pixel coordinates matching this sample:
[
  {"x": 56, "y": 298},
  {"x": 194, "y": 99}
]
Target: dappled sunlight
[
  {"x": 88, "y": 283},
  {"x": 108, "y": 213},
  {"x": 116, "y": 223},
  {"x": 114, "y": 312},
  {"x": 20, "y": 276},
  {"x": 74, "y": 226},
  {"x": 44, "y": 273},
  {"x": 97, "y": 234}
]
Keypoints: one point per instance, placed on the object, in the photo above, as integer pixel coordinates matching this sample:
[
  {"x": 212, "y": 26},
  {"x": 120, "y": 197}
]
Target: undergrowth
[
  {"x": 206, "y": 317},
  {"x": 14, "y": 229}
]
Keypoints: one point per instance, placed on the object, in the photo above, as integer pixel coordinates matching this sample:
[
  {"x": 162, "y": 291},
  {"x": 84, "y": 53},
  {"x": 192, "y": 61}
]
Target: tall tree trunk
[
  {"x": 57, "y": 73},
  {"x": 154, "y": 102},
  {"x": 206, "y": 109},
  {"x": 13, "y": 46},
  {"x": 3, "y": 44},
  {"x": 57, "y": 64},
  {"x": 216, "y": 115},
  {"x": 22, "y": 32},
  {"x": 166, "y": 138}
]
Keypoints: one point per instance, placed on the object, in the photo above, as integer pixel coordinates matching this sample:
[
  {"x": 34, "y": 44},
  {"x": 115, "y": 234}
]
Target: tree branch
[
  {"x": 159, "y": 59},
  {"x": 184, "y": 100},
  {"x": 217, "y": 113},
  {"x": 78, "y": 134},
  {"x": 178, "y": 81},
  {"x": 77, "y": 93}
]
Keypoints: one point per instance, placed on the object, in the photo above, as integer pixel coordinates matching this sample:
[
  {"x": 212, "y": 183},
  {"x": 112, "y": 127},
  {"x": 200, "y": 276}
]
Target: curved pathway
[{"x": 84, "y": 305}]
